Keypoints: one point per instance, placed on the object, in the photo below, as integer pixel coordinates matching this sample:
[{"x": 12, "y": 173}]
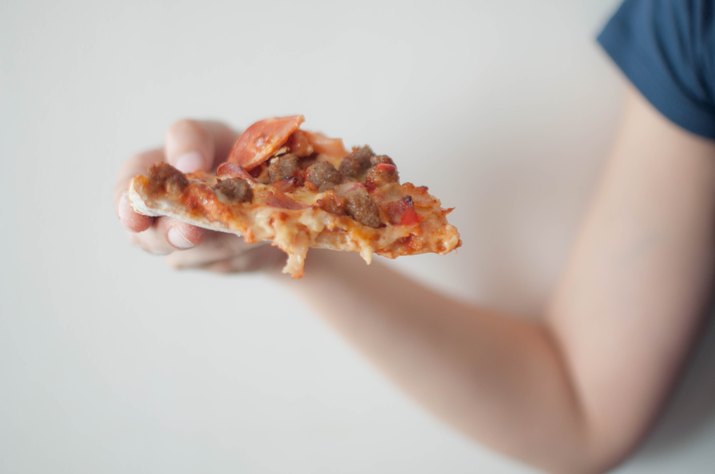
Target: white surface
[{"x": 110, "y": 362}]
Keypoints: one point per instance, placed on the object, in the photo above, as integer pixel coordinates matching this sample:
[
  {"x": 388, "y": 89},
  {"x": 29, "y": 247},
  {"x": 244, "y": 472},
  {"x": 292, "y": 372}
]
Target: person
[{"x": 576, "y": 390}]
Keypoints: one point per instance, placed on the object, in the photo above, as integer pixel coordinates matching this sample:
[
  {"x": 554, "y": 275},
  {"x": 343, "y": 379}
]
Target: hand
[{"x": 189, "y": 146}]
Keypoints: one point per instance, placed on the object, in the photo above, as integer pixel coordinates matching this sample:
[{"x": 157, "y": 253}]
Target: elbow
[
  {"x": 566, "y": 463},
  {"x": 608, "y": 454},
  {"x": 592, "y": 454}
]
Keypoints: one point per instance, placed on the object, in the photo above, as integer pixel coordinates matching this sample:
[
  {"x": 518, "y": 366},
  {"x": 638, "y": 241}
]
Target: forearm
[
  {"x": 578, "y": 392},
  {"x": 639, "y": 277},
  {"x": 498, "y": 378}
]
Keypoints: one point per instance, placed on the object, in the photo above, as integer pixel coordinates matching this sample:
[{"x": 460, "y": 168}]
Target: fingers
[
  {"x": 262, "y": 258},
  {"x": 134, "y": 166},
  {"x": 216, "y": 246},
  {"x": 129, "y": 218},
  {"x": 190, "y": 145},
  {"x": 167, "y": 235},
  {"x": 193, "y": 145},
  {"x": 227, "y": 253},
  {"x": 180, "y": 235}
]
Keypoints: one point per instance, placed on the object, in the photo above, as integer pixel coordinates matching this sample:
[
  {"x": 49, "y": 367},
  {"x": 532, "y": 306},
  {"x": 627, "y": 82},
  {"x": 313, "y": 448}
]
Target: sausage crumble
[
  {"x": 360, "y": 206},
  {"x": 166, "y": 178},
  {"x": 357, "y": 162},
  {"x": 235, "y": 190},
  {"x": 323, "y": 175},
  {"x": 283, "y": 167}
]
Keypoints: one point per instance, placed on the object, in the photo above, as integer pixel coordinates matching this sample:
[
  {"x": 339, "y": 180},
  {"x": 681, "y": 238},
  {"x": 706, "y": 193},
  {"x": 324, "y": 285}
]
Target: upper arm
[{"x": 638, "y": 279}]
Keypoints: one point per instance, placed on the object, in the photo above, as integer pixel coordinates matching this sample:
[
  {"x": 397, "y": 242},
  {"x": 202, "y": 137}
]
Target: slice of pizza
[{"x": 301, "y": 189}]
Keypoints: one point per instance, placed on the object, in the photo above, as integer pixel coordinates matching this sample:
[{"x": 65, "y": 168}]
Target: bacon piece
[
  {"x": 286, "y": 185},
  {"x": 401, "y": 212},
  {"x": 381, "y": 173},
  {"x": 262, "y": 139},
  {"x": 328, "y": 146},
  {"x": 280, "y": 200},
  {"x": 345, "y": 188},
  {"x": 332, "y": 203},
  {"x": 232, "y": 170}
]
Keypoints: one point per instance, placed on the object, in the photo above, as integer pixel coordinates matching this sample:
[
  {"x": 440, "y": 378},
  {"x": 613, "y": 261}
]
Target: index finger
[
  {"x": 193, "y": 145},
  {"x": 190, "y": 145}
]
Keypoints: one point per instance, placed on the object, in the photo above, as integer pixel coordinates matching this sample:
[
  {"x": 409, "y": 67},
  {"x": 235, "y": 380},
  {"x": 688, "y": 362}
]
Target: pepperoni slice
[
  {"x": 262, "y": 139},
  {"x": 328, "y": 146},
  {"x": 299, "y": 144}
]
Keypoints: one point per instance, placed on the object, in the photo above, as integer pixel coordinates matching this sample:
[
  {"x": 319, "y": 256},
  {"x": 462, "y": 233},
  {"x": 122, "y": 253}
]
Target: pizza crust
[
  {"x": 293, "y": 231},
  {"x": 165, "y": 209}
]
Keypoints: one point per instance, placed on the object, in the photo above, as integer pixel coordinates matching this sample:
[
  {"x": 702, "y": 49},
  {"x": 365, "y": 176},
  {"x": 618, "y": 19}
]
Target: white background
[{"x": 110, "y": 362}]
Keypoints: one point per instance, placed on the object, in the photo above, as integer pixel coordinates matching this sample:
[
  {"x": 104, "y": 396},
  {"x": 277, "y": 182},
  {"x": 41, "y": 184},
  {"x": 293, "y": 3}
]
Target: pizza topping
[
  {"x": 410, "y": 216},
  {"x": 299, "y": 144},
  {"x": 322, "y": 175},
  {"x": 282, "y": 201},
  {"x": 377, "y": 159},
  {"x": 235, "y": 190},
  {"x": 332, "y": 203},
  {"x": 325, "y": 145},
  {"x": 261, "y": 140},
  {"x": 165, "y": 178},
  {"x": 357, "y": 162},
  {"x": 260, "y": 174},
  {"x": 401, "y": 212},
  {"x": 360, "y": 206},
  {"x": 286, "y": 185},
  {"x": 380, "y": 174},
  {"x": 283, "y": 167},
  {"x": 232, "y": 170}
]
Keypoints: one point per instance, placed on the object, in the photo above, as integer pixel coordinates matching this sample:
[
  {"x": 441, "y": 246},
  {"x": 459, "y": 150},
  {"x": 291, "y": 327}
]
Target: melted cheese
[{"x": 296, "y": 230}]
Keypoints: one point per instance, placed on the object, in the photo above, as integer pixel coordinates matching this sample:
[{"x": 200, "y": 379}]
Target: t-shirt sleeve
[{"x": 666, "y": 48}]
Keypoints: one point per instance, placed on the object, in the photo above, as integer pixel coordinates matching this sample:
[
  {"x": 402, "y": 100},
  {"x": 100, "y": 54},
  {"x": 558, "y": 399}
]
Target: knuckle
[
  {"x": 140, "y": 157},
  {"x": 149, "y": 242},
  {"x": 175, "y": 261},
  {"x": 186, "y": 127},
  {"x": 155, "y": 248},
  {"x": 134, "y": 239},
  {"x": 132, "y": 164},
  {"x": 143, "y": 158},
  {"x": 137, "y": 163}
]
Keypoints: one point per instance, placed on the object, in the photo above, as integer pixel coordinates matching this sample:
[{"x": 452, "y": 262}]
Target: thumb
[{"x": 193, "y": 145}]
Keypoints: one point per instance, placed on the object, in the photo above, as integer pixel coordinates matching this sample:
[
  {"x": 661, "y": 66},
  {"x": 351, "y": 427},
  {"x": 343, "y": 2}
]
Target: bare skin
[{"x": 571, "y": 392}]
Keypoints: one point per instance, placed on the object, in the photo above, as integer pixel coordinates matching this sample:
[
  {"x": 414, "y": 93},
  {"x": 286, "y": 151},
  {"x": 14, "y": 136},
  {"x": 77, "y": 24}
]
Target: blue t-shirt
[{"x": 666, "y": 48}]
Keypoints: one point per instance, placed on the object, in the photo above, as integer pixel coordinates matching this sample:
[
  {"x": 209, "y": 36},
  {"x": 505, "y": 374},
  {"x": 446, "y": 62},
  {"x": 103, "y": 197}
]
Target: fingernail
[
  {"x": 178, "y": 239},
  {"x": 189, "y": 162},
  {"x": 123, "y": 207}
]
